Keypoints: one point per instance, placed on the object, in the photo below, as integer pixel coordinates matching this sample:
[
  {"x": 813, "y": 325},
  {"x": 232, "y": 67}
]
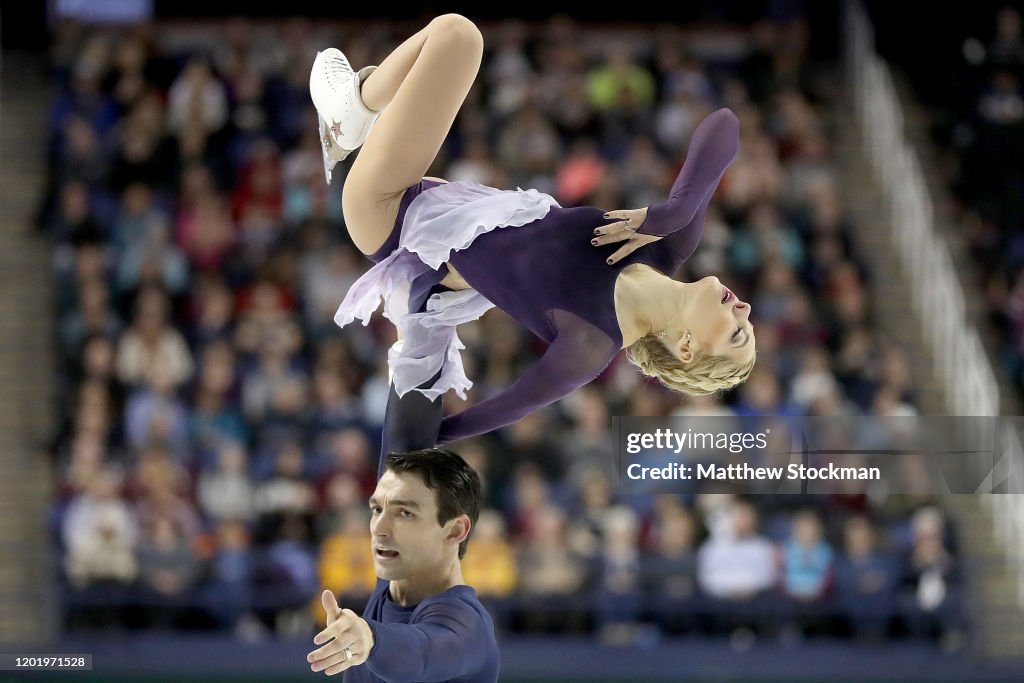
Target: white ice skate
[{"x": 345, "y": 121}]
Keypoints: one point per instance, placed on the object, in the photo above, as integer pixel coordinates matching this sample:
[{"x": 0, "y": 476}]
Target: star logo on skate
[{"x": 336, "y": 128}]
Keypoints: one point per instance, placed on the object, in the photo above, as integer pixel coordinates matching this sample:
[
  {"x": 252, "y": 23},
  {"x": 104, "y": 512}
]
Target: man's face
[{"x": 406, "y": 540}]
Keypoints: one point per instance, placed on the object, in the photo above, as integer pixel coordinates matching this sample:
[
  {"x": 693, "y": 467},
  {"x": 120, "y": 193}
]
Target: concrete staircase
[
  {"x": 997, "y": 620},
  {"x": 27, "y": 594},
  {"x": 933, "y": 165},
  {"x": 890, "y": 284}
]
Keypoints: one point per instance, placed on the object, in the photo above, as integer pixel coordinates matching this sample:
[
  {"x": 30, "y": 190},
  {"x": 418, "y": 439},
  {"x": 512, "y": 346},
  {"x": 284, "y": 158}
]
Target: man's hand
[{"x": 352, "y": 639}]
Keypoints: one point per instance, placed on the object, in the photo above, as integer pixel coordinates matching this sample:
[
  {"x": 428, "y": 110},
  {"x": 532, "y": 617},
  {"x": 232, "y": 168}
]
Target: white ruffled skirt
[{"x": 440, "y": 220}]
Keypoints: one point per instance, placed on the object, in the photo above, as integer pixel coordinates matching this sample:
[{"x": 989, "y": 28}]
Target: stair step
[{"x": 26, "y": 369}]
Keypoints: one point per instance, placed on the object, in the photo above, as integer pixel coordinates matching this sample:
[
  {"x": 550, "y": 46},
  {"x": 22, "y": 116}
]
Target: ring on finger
[{"x": 348, "y": 653}]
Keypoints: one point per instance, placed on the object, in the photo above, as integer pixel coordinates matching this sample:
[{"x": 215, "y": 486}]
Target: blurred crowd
[
  {"x": 981, "y": 119},
  {"x": 219, "y": 433}
]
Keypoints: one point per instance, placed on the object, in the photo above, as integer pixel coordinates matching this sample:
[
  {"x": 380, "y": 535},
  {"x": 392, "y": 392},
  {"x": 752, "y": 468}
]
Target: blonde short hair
[{"x": 705, "y": 374}]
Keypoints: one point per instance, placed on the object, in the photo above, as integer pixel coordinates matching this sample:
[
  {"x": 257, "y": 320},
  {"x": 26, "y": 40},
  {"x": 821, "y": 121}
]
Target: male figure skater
[{"x": 422, "y": 623}]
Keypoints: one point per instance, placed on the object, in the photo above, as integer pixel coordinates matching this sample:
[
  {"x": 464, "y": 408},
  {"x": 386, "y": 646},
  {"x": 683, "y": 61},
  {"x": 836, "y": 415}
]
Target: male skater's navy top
[{"x": 447, "y": 637}]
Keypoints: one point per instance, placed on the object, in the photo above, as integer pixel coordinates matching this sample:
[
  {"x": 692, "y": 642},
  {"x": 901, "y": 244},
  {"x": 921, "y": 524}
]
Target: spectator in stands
[
  {"x": 807, "y": 571},
  {"x": 99, "y": 535},
  {"x": 205, "y": 231},
  {"x": 857, "y": 365},
  {"x": 526, "y": 495},
  {"x": 345, "y": 567},
  {"x": 258, "y": 200},
  {"x": 215, "y": 417},
  {"x": 339, "y": 494},
  {"x": 588, "y": 522},
  {"x": 161, "y": 502},
  {"x": 153, "y": 260},
  {"x": 326, "y": 274},
  {"x": 228, "y": 591},
  {"x": 491, "y": 567},
  {"x": 275, "y": 373},
  {"x": 197, "y": 94},
  {"x": 806, "y": 559},
  {"x": 737, "y": 569},
  {"x": 814, "y": 380},
  {"x": 931, "y": 582},
  {"x": 139, "y": 154},
  {"x": 227, "y": 492},
  {"x": 1007, "y": 46},
  {"x": 85, "y": 98},
  {"x": 168, "y": 567},
  {"x": 286, "y": 578},
  {"x": 551, "y": 575},
  {"x": 73, "y": 220},
  {"x": 777, "y": 283},
  {"x": 154, "y": 413},
  {"x": 530, "y": 441},
  {"x": 334, "y": 405},
  {"x": 287, "y": 492},
  {"x": 93, "y": 414},
  {"x": 756, "y": 175},
  {"x": 620, "y": 80},
  {"x": 588, "y": 446},
  {"x": 85, "y": 460},
  {"x": 477, "y": 163},
  {"x": 765, "y": 237},
  {"x": 348, "y": 450},
  {"x": 96, "y": 363},
  {"x": 761, "y": 395},
  {"x": 93, "y": 316},
  {"x": 265, "y": 322},
  {"x": 213, "y": 311},
  {"x": 81, "y": 158},
  {"x": 80, "y": 261},
  {"x": 152, "y": 341},
  {"x": 137, "y": 217},
  {"x": 617, "y": 590},
  {"x": 866, "y": 579},
  {"x": 669, "y": 571}
]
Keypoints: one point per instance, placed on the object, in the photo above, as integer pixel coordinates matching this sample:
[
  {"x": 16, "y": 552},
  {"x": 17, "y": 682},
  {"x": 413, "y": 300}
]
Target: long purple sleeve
[
  {"x": 713, "y": 146},
  {"x": 575, "y": 358}
]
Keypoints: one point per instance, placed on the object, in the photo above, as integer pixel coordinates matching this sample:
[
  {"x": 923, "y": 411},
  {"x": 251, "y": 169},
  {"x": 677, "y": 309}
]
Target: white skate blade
[
  {"x": 325, "y": 142},
  {"x": 331, "y": 152}
]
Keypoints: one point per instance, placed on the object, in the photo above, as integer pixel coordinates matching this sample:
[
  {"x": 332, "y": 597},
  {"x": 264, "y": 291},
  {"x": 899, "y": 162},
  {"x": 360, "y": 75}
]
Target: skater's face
[
  {"x": 407, "y": 541},
  {"x": 717, "y": 322}
]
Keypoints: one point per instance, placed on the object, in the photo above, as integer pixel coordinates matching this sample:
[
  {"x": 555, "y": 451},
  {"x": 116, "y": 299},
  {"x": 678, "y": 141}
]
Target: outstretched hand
[
  {"x": 352, "y": 639},
  {"x": 623, "y": 230}
]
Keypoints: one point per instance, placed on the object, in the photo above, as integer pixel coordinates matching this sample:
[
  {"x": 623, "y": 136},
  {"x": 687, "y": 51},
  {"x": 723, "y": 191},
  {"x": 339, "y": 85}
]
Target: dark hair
[{"x": 455, "y": 484}]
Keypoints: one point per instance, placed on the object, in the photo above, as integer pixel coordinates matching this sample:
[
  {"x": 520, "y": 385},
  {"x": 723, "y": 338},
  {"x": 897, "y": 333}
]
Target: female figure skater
[{"x": 587, "y": 281}]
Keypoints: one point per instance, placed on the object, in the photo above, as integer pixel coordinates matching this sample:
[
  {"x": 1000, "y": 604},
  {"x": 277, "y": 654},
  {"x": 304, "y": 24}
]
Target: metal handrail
[
  {"x": 961, "y": 364},
  {"x": 960, "y": 360}
]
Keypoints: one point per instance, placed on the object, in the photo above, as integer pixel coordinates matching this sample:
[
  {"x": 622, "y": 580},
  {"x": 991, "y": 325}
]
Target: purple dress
[{"x": 548, "y": 277}]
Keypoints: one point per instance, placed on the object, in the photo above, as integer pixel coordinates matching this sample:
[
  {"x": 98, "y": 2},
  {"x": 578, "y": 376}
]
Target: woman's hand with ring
[{"x": 624, "y": 229}]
